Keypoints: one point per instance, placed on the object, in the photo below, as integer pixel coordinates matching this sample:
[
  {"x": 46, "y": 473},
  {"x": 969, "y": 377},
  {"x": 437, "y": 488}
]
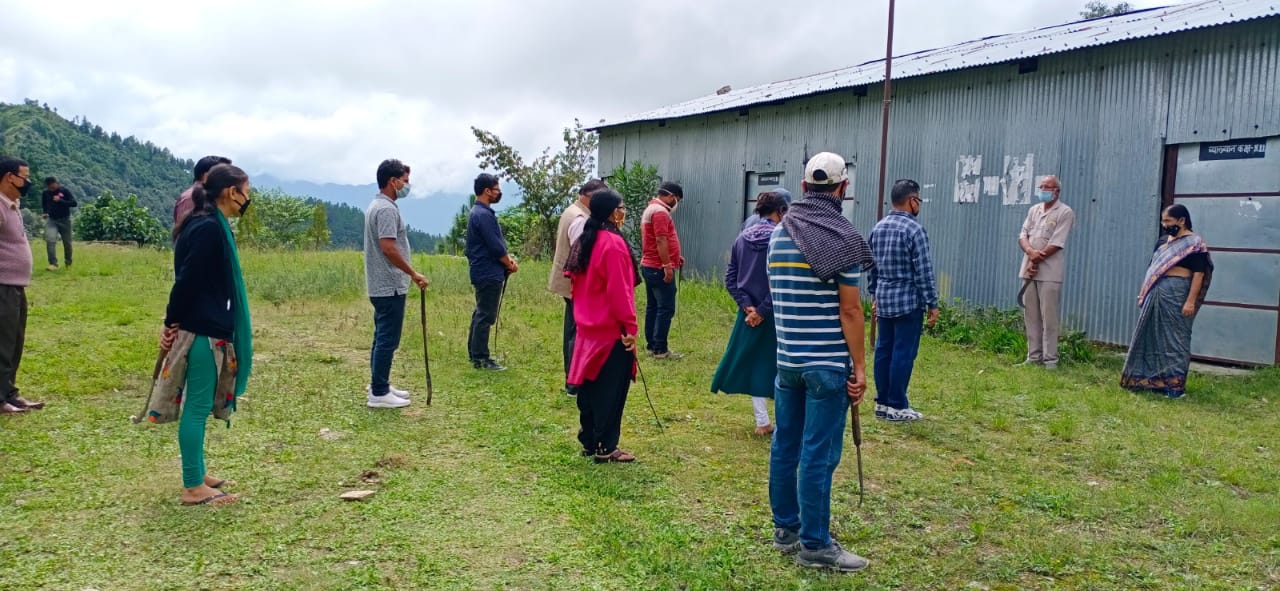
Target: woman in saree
[
  {"x": 750, "y": 362},
  {"x": 1171, "y": 295},
  {"x": 207, "y": 332}
]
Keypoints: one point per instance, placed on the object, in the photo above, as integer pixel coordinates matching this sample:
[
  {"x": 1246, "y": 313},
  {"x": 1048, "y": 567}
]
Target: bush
[
  {"x": 637, "y": 185},
  {"x": 33, "y": 223},
  {"x": 120, "y": 220},
  {"x": 1001, "y": 332}
]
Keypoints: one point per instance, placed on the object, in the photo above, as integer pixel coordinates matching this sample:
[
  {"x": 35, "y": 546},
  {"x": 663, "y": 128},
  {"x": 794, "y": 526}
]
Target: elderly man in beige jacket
[{"x": 558, "y": 283}]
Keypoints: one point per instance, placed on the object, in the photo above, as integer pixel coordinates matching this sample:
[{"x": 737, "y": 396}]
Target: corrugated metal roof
[{"x": 982, "y": 52}]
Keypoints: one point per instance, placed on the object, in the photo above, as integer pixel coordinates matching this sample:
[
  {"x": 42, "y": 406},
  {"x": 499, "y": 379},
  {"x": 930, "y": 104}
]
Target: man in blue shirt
[
  {"x": 490, "y": 266},
  {"x": 902, "y": 288}
]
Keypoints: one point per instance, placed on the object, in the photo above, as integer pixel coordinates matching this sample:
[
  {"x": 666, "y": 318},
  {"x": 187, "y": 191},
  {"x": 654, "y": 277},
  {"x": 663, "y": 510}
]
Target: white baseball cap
[{"x": 825, "y": 168}]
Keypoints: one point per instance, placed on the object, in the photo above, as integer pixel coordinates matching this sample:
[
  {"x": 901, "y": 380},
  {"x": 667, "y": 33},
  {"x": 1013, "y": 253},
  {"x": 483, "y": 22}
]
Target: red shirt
[
  {"x": 656, "y": 223},
  {"x": 604, "y": 306}
]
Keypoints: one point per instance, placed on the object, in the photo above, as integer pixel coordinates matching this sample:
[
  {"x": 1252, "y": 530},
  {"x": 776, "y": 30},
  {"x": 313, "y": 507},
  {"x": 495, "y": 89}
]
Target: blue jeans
[
  {"x": 659, "y": 309},
  {"x": 896, "y": 348},
  {"x": 809, "y": 414},
  {"x": 388, "y": 320}
]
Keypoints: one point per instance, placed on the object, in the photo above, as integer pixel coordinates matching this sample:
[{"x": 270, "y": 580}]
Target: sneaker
[
  {"x": 1051, "y": 365},
  {"x": 785, "y": 540},
  {"x": 571, "y": 391},
  {"x": 832, "y": 557},
  {"x": 386, "y": 401},
  {"x": 902, "y": 415},
  {"x": 668, "y": 355},
  {"x": 368, "y": 389},
  {"x": 489, "y": 365},
  {"x": 1028, "y": 363},
  {"x": 52, "y": 267},
  {"x": 882, "y": 412}
]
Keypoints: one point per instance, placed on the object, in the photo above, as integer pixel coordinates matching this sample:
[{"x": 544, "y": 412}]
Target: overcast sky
[{"x": 323, "y": 90}]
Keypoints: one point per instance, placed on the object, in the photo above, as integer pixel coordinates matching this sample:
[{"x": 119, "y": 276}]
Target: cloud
[{"x": 324, "y": 90}]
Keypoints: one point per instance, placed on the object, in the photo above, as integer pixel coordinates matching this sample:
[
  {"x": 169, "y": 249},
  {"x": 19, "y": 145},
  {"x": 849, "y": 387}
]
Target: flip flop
[
  {"x": 222, "y": 483},
  {"x": 214, "y": 500}
]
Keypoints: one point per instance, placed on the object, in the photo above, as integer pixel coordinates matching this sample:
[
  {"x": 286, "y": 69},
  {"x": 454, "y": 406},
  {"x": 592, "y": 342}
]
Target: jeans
[
  {"x": 896, "y": 349},
  {"x": 810, "y": 406},
  {"x": 570, "y": 334},
  {"x": 659, "y": 309},
  {"x": 52, "y": 230},
  {"x": 388, "y": 322},
  {"x": 601, "y": 401},
  {"x": 488, "y": 297},
  {"x": 13, "y": 334}
]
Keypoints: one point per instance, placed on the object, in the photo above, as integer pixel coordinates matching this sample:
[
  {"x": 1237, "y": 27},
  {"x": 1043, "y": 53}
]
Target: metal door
[{"x": 757, "y": 183}]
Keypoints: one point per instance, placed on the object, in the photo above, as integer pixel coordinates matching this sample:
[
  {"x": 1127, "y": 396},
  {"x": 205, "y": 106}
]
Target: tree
[
  {"x": 637, "y": 185},
  {"x": 1099, "y": 9},
  {"x": 547, "y": 182},
  {"x": 456, "y": 239},
  {"x": 318, "y": 233},
  {"x": 120, "y": 220},
  {"x": 275, "y": 220}
]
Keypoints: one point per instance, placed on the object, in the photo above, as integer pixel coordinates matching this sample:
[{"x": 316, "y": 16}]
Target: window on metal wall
[{"x": 757, "y": 183}]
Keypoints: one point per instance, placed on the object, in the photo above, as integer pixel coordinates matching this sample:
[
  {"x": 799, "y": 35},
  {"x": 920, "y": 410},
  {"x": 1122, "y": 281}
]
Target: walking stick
[
  {"x": 645, "y": 383},
  {"x": 155, "y": 375},
  {"x": 1022, "y": 292},
  {"x": 426, "y": 356},
  {"x": 497, "y": 315},
  {"x": 857, "y": 444}
]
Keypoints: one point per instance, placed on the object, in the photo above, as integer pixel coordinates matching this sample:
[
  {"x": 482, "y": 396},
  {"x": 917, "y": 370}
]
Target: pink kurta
[{"x": 604, "y": 307}]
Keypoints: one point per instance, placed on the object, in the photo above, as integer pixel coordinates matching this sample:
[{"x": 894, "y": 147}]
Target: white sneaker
[
  {"x": 387, "y": 401},
  {"x": 368, "y": 389},
  {"x": 904, "y": 415}
]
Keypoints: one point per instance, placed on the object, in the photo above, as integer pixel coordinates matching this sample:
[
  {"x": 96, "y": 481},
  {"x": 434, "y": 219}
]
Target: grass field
[{"x": 1020, "y": 479}]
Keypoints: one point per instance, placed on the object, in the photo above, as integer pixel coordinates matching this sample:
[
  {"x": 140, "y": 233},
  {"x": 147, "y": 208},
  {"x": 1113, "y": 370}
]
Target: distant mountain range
[{"x": 432, "y": 213}]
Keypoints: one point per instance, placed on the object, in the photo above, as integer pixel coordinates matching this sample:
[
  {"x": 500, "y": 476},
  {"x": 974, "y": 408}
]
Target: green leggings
[{"x": 197, "y": 404}]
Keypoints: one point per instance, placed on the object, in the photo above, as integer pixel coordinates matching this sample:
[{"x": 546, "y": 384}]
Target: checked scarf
[{"x": 827, "y": 239}]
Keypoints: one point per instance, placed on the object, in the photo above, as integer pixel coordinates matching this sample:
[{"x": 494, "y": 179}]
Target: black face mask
[
  {"x": 26, "y": 187},
  {"x": 1171, "y": 230},
  {"x": 245, "y": 206}
]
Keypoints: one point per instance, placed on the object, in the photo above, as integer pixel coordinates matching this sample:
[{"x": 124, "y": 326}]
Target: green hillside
[{"x": 91, "y": 161}]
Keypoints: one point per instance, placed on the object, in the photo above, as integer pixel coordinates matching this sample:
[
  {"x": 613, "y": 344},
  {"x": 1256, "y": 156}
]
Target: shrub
[
  {"x": 1001, "y": 332},
  {"x": 120, "y": 220}
]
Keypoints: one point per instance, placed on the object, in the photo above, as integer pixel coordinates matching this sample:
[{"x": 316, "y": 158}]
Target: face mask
[
  {"x": 1171, "y": 230},
  {"x": 245, "y": 206},
  {"x": 1044, "y": 196},
  {"x": 402, "y": 192},
  {"x": 26, "y": 186}
]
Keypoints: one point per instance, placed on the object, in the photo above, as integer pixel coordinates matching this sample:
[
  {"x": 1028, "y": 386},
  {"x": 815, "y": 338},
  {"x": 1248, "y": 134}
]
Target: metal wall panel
[
  {"x": 1263, "y": 271},
  {"x": 1226, "y": 82},
  {"x": 1236, "y": 334},
  {"x": 1251, "y": 175},
  {"x": 1246, "y": 222}
]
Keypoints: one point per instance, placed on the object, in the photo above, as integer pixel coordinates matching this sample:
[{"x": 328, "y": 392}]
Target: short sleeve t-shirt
[
  {"x": 382, "y": 220},
  {"x": 806, "y": 309},
  {"x": 656, "y": 223},
  {"x": 1045, "y": 228}
]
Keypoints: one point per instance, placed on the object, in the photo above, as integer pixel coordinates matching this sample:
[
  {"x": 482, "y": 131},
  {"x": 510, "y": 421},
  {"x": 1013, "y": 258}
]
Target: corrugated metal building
[{"x": 1130, "y": 112}]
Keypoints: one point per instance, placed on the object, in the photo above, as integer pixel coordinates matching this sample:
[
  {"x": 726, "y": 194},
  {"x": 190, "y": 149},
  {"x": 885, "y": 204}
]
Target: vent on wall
[{"x": 1028, "y": 66}]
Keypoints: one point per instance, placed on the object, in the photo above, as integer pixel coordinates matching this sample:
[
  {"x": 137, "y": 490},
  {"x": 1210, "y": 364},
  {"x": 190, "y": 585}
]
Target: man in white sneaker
[
  {"x": 387, "y": 274},
  {"x": 1044, "y": 268}
]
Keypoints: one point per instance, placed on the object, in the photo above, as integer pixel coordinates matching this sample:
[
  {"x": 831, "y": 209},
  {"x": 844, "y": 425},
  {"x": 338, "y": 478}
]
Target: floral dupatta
[{"x": 1167, "y": 256}]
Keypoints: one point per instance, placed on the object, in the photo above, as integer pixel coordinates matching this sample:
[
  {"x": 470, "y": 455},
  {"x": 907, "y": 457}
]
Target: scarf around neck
[
  {"x": 242, "y": 338},
  {"x": 827, "y": 239}
]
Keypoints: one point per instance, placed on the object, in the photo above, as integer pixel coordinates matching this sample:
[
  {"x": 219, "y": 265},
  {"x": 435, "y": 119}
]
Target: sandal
[
  {"x": 617, "y": 456},
  {"x": 216, "y": 499},
  {"x": 222, "y": 483}
]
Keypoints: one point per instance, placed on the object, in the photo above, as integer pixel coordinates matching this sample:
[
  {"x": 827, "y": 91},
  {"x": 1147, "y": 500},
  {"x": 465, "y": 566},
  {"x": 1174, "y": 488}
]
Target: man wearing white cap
[{"x": 816, "y": 261}]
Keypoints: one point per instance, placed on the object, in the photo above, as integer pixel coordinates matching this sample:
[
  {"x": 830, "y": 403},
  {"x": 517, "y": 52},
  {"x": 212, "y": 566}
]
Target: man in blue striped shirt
[
  {"x": 902, "y": 288},
  {"x": 815, "y": 261}
]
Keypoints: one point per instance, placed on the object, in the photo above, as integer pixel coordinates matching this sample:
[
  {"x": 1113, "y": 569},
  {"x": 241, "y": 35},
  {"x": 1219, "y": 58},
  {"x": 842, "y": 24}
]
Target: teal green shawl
[{"x": 242, "y": 339}]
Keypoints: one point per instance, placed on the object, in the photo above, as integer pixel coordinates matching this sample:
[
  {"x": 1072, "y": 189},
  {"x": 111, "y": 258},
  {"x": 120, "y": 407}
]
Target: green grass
[{"x": 1020, "y": 479}]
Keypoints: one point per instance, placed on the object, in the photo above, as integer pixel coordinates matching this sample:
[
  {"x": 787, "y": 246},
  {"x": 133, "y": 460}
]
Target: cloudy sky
[{"x": 322, "y": 90}]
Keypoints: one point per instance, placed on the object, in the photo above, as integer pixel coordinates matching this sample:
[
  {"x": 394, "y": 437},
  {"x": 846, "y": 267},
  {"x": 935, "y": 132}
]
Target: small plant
[{"x": 1002, "y": 332}]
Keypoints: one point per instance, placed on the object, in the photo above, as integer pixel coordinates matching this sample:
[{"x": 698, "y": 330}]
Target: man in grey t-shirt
[{"x": 387, "y": 274}]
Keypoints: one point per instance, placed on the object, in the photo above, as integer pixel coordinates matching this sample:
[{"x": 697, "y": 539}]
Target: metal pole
[{"x": 884, "y": 134}]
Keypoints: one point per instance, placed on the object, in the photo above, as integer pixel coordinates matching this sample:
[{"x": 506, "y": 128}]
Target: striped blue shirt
[{"x": 806, "y": 310}]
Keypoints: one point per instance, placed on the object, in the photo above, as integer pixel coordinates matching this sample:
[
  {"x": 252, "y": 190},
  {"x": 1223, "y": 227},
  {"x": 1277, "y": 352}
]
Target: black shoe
[
  {"x": 571, "y": 391},
  {"x": 489, "y": 365}
]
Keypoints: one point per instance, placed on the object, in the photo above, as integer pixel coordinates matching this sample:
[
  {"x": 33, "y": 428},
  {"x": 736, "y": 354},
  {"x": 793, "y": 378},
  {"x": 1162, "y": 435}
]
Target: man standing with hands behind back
[
  {"x": 660, "y": 258},
  {"x": 1044, "y": 268},
  {"x": 490, "y": 265}
]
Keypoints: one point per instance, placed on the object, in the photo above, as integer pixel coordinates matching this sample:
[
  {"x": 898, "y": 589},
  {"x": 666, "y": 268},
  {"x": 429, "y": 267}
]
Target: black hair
[
  {"x": 903, "y": 189},
  {"x": 672, "y": 188},
  {"x": 484, "y": 181},
  {"x": 10, "y": 165},
  {"x": 49, "y": 181},
  {"x": 603, "y": 203},
  {"x": 592, "y": 186},
  {"x": 1179, "y": 211},
  {"x": 204, "y": 196},
  {"x": 207, "y": 163},
  {"x": 390, "y": 169},
  {"x": 825, "y": 189},
  {"x": 768, "y": 203}
]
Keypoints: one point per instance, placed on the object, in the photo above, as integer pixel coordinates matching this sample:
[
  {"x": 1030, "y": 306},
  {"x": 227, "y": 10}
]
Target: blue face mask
[
  {"x": 402, "y": 192},
  {"x": 1044, "y": 196}
]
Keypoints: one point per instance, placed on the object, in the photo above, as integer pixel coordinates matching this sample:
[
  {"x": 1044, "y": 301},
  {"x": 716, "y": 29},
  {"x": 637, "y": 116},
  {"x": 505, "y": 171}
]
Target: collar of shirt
[
  {"x": 659, "y": 202},
  {"x": 483, "y": 205},
  {"x": 11, "y": 203},
  {"x": 392, "y": 201}
]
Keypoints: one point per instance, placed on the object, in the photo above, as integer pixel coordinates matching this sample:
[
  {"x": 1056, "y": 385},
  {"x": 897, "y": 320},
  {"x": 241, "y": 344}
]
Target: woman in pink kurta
[{"x": 604, "y": 307}]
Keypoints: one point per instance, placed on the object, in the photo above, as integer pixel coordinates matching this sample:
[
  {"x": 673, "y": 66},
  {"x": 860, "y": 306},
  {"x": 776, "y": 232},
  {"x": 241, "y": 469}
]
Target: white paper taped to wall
[
  {"x": 968, "y": 177},
  {"x": 1017, "y": 179}
]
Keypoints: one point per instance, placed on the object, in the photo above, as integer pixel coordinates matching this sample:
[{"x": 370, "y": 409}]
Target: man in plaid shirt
[{"x": 902, "y": 288}]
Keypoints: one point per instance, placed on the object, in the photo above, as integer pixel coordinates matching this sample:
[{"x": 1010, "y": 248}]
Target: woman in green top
[{"x": 207, "y": 331}]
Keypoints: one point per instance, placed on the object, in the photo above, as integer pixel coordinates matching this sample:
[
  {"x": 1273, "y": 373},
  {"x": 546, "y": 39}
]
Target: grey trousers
[
  {"x": 13, "y": 332},
  {"x": 54, "y": 229},
  {"x": 1041, "y": 317}
]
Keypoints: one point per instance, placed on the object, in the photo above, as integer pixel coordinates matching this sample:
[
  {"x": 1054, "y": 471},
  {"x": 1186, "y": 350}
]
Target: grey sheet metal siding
[{"x": 1095, "y": 117}]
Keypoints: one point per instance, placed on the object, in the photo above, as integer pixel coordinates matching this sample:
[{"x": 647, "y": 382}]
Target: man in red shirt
[{"x": 658, "y": 263}]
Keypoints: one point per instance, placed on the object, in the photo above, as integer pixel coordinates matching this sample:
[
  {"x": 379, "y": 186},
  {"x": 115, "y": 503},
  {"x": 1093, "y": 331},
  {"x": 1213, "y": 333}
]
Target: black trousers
[
  {"x": 488, "y": 295},
  {"x": 570, "y": 334},
  {"x": 13, "y": 334},
  {"x": 601, "y": 401}
]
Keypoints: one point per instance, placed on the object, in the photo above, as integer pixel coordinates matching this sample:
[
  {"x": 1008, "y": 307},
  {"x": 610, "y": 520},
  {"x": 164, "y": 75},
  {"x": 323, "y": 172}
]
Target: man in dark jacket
[
  {"x": 490, "y": 265},
  {"x": 57, "y": 204}
]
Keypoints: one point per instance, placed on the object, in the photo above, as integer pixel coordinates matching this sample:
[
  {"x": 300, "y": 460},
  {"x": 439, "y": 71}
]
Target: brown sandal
[
  {"x": 617, "y": 456},
  {"x": 214, "y": 499}
]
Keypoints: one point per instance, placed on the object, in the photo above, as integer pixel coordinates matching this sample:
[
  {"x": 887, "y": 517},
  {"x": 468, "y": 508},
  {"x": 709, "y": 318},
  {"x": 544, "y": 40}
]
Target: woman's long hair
[
  {"x": 1179, "y": 211},
  {"x": 603, "y": 204},
  {"x": 204, "y": 196}
]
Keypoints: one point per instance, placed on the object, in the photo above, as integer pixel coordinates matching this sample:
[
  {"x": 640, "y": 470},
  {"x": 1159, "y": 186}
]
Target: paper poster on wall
[
  {"x": 991, "y": 186},
  {"x": 968, "y": 178},
  {"x": 1017, "y": 179}
]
